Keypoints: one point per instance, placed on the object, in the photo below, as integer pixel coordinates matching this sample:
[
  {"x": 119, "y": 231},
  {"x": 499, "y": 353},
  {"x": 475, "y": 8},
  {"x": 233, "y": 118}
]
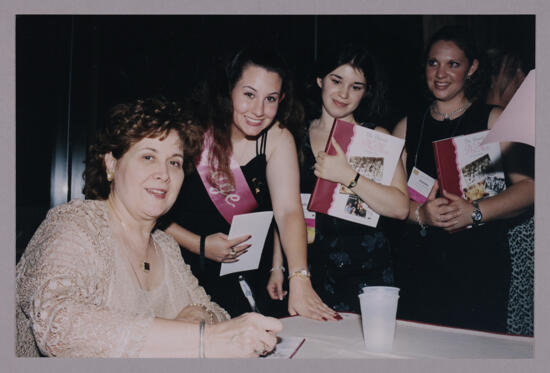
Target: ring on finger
[
  {"x": 233, "y": 251},
  {"x": 438, "y": 217}
]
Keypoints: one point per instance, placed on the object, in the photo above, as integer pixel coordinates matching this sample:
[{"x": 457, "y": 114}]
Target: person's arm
[
  {"x": 217, "y": 246},
  {"x": 248, "y": 335},
  {"x": 387, "y": 200},
  {"x": 428, "y": 212},
  {"x": 276, "y": 277},
  {"x": 283, "y": 180},
  {"x": 515, "y": 199}
]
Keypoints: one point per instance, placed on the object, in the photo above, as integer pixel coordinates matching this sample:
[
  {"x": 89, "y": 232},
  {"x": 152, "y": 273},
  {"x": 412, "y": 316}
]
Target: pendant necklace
[{"x": 145, "y": 265}]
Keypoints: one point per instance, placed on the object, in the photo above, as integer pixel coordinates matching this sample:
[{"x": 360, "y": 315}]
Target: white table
[{"x": 344, "y": 339}]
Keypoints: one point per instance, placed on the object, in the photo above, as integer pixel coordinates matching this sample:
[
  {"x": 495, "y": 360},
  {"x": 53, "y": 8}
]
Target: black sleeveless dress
[
  {"x": 460, "y": 279},
  {"x": 195, "y": 211},
  {"x": 345, "y": 256}
]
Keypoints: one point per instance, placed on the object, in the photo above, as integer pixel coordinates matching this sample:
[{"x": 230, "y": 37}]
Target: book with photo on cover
[
  {"x": 371, "y": 153},
  {"x": 468, "y": 169}
]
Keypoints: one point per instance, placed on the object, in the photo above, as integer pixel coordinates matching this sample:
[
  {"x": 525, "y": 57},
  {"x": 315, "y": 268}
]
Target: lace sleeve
[
  {"x": 63, "y": 283},
  {"x": 197, "y": 294}
]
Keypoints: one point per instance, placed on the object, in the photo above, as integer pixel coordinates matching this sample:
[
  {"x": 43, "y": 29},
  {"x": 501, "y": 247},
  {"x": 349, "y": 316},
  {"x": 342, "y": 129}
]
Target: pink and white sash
[{"x": 238, "y": 199}]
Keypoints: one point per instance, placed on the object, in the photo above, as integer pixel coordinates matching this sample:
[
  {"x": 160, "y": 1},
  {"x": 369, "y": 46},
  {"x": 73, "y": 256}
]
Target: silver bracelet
[
  {"x": 423, "y": 227},
  {"x": 201, "y": 339},
  {"x": 281, "y": 267}
]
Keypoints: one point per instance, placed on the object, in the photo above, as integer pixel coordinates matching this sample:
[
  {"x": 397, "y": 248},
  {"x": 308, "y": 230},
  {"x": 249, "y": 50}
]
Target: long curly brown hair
[{"x": 128, "y": 124}]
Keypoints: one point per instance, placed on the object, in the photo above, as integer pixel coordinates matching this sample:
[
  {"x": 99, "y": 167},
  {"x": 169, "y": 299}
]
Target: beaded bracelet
[
  {"x": 201, "y": 339},
  {"x": 281, "y": 267},
  {"x": 304, "y": 273},
  {"x": 203, "y": 307}
]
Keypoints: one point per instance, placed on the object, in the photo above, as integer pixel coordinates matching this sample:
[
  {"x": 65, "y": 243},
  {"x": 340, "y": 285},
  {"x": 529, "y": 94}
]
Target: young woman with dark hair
[
  {"x": 344, "y": 256},
  {"x": 459, "y": 279},
  {"x": 248, "y": 156}
]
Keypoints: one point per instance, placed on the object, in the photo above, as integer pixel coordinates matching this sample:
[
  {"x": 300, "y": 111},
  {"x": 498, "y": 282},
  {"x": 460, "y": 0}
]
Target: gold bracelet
[
  {"x": 203, "y": 307},
  {"x": 303, "y": 273}
]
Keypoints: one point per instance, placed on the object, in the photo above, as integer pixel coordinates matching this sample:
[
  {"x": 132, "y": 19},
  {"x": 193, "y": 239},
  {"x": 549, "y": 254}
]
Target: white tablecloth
[{"x": 344, "y": 339}]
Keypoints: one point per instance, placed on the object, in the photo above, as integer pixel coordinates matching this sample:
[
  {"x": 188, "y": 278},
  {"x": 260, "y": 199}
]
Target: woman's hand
[
  {"x": 334, "y": 168},
  {"x": 438, "y": 212},
  {"x": 219, "y": 248},
  {"x": 275, "y": 285},
  {"x": 249, "y": 335},
  {"x": 464, "y": 208},
  {"x": 304, "y": 301},
  {"x": 194, "y": 313}
]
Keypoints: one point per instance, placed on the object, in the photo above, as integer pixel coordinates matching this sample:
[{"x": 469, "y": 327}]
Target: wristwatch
[
  {"x": 354, "y": 181},
  {"x": 476, "y": 215}
]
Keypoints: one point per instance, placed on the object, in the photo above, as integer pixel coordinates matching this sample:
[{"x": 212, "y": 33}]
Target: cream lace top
[{"x": 78, "y": 297}]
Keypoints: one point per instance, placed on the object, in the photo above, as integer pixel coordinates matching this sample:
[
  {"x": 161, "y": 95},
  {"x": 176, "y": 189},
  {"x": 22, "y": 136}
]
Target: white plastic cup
[{"x": 378, "y": 311}]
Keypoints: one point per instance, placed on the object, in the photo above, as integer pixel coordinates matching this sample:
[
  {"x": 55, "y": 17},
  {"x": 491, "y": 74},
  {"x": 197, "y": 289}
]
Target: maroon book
[
  {"x": 468, "y": 169},
  {"x": 371, "y": 153}
]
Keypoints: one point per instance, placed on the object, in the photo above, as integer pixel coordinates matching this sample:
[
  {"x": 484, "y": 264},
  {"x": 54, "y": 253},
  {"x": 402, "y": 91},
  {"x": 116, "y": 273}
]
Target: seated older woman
[{"x": 97, "y": 278}]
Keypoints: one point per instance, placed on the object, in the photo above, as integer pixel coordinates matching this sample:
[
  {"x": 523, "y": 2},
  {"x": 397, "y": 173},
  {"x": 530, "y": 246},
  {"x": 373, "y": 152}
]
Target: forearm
[
  {"x": 385, "y": 200},
  {"x": 170, "y": 339},
  {"x": 184, "y": 237},
  {"x": 292, "y": 233},
  {"x": 277, "y": 251},
  {"x": 511, "y": 202}
]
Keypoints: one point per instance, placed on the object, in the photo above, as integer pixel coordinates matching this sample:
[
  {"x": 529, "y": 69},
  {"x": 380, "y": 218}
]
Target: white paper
[
  {"x": 257, "y": 225},
  {"x": 286, "y": 348}
]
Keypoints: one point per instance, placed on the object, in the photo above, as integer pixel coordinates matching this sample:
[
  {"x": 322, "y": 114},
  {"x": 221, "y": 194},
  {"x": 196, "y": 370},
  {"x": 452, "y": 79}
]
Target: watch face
[{"x": 476, "y": 216}]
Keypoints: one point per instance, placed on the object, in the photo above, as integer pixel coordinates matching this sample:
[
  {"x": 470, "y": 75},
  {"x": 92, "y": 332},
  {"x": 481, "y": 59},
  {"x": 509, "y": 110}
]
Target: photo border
[{"x": 10, "y": 8}]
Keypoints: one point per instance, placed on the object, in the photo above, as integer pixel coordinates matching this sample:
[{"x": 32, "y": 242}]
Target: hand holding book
[
  {"x": 440, "y": 212},
  {"x": 335, "y": 168}
]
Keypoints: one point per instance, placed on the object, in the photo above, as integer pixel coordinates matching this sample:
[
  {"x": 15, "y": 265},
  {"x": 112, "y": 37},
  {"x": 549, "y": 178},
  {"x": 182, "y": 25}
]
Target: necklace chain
[
  {"x": 145, "y": 265},
  {"x": 449, "y": 115}
]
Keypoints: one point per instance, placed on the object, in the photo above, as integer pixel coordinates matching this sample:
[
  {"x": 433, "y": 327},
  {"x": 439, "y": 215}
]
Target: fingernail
[
  {"x": 324, "y": 319},
  {"x": 281, "y": 297},
  {"x": 338, "y": 317}
]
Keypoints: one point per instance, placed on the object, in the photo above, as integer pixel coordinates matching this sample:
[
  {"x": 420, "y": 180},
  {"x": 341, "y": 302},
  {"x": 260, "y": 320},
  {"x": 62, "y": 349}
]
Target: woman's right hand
[
  {"x": 219, "y": 248},
  {"x": 249, "y": 335}
]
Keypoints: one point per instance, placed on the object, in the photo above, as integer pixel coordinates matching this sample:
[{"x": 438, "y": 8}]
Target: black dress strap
[{"x": 261, "y": 143}]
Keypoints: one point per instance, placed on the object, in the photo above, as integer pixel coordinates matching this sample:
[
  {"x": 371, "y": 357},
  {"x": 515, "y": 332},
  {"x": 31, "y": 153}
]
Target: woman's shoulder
[
  {"x": 75, "y": 212},
  {"x": 167, "y": 243},
  {"x": 278, "y": 137}
]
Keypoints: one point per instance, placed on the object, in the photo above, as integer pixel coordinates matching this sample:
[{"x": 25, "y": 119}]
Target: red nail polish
[
  {"x": 324, "y": 319},
  {"x": 338, "y": 317}
]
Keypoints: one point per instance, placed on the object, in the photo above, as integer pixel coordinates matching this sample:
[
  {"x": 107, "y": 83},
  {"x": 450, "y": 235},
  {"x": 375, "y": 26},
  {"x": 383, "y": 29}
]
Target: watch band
[
  {"x": 354, "y": 181},
  {"x": 477, "y": 216}
]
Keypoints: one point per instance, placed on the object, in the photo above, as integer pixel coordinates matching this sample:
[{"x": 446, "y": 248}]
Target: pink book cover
[{"x": 371, "y": 153}]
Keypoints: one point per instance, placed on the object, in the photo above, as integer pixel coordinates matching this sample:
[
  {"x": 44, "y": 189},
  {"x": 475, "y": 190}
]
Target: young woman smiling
[
  {"x": 458, "y": 279},
  {"x": 249, "y": 152},
  {"x": 345, "y": 256}
]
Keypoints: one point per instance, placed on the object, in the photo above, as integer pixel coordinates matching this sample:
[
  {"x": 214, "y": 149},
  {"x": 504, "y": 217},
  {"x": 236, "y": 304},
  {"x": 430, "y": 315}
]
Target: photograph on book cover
[{"x": 30, "y": 212}]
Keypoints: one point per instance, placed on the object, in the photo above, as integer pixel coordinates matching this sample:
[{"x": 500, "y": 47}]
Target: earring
[{"x": 110, "y": 176}]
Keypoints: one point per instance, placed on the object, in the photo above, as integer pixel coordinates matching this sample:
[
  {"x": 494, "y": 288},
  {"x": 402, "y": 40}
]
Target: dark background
[{"x": 71, "y": 69}]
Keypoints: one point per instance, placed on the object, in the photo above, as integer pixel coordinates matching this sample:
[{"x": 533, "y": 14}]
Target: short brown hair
[{"x": 128, "y": 124}]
